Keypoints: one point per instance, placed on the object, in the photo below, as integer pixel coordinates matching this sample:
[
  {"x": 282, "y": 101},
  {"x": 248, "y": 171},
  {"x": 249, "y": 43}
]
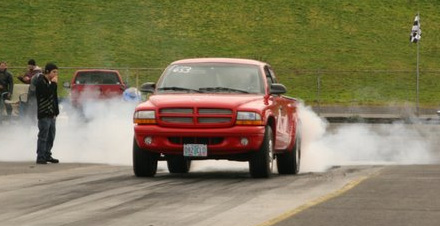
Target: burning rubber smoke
[
  {"x": 364, "y": 144},
  {"x": 106, "y": 137}
]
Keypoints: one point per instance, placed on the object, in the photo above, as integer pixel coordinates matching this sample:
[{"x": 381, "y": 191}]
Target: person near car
[
  {"x": 47, "y": 111},
  {"x": 32, "y": 70},
  {"x": 6, "y": 87},
  {"x": 31, "y": 108}
]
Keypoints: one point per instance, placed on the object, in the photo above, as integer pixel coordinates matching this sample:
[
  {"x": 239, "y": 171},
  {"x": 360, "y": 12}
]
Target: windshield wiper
[
  {"x": 222, "y": 89},
  {"x": 175, "y": 88}
]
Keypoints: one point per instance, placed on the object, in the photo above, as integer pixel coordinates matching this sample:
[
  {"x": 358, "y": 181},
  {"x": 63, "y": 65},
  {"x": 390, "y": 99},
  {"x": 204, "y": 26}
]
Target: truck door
[{"x": 281, "y": 111}]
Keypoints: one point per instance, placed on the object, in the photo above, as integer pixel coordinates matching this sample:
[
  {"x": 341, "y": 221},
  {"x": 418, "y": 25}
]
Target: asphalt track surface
[
  {"x": 87, "y": 194},
  {"x": 99, "y": 194},
  {"x": 396, "y": 195}
]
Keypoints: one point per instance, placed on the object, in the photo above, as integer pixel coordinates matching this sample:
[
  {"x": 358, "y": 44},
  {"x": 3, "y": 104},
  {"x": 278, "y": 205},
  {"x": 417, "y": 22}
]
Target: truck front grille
[
  {"x": 184, "y": 120},
  {"x": 196, "y": 117},
  {"x": 176, "y": 110},
  {"x": 213, "y": 120},
  {"x": 215, "y": 111}
]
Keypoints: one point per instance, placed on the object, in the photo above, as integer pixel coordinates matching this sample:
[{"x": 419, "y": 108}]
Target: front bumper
[{"x": 228, "y": 140}]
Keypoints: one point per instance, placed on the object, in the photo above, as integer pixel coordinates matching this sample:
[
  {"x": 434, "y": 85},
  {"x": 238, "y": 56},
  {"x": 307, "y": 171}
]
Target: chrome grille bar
[{"x": 215, "y": 111}]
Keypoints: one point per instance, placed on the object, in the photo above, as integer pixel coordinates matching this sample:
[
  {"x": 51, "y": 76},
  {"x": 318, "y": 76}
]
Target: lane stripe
[{"x": 315, "y": 202}]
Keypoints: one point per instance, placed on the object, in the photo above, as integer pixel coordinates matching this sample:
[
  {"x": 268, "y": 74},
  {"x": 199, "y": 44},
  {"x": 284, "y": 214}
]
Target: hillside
[{"x": 296, "y": 37}]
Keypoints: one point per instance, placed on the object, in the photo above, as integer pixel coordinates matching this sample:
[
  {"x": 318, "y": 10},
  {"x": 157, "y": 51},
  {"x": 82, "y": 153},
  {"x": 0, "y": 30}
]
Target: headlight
[
  {"x": 248, "y": 118},
  {"x": 144, "y": 117}
]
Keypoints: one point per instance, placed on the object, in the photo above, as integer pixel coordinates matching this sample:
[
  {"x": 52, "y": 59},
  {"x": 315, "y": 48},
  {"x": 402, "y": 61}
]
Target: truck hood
[{"x": 231, "y": 101}]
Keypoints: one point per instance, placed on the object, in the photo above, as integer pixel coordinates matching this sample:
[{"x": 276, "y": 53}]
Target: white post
[
  {"x": 417, "y": 82},
  {"x": 319, "y": 92}
]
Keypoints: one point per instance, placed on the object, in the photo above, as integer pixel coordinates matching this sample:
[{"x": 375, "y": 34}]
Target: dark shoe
[
  {"x": 52, "y": 160},
  {"x": 41, "y": 161}
]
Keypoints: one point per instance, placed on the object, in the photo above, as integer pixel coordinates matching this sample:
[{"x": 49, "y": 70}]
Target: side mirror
[
  {"x": 148, "y": 87},
  {"x": 277, "y": 88},
  {"x": 438, "y": 112},
  {"x": 66, "y": 85}
]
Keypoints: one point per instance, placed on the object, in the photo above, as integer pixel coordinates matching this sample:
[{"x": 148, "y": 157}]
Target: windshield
[
  {"x": 211, "y": 78},
  {"x": 97, "y": 78}
]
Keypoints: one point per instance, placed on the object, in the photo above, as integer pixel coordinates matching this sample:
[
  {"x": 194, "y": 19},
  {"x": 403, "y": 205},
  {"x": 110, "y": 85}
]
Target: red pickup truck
[
  {"x": 94, "y": 84},
  {"x": 217, "y": 108}
]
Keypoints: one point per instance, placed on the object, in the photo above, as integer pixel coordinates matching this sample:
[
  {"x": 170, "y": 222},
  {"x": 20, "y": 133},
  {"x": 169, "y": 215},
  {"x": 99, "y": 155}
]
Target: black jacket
[
  {"x": 47, "y": 97},
  {"x": 6, "y": 81}
]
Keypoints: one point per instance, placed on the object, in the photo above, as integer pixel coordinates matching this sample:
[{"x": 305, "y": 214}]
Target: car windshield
[
  {"x": 212, "y": 78},
  {"x": 97, "y": 78}
]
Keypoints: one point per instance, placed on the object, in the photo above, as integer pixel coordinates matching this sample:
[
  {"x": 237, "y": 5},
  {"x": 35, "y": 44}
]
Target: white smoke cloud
[
  {"x": 107, "y": 135},
  {"x": 362, "y": 144},
  {"x": 18, "y": 142},
  {"x": 103, "y": 134}
]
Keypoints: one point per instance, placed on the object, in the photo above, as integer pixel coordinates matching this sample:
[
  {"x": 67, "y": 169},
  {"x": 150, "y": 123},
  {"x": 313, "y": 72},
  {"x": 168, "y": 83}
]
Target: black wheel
[
  {"x": 178, "y": 164},
  {"x": 144, "y": 162},
  {"x": 289, "y": 162},
  {"x": 261, "y": 163}
]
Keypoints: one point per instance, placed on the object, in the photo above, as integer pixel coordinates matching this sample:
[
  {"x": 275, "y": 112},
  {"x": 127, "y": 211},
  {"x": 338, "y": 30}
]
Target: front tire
[
  {"x": 260, "y": 165},
  {"x": 144, "y": 161},
  {"x": 178, "y": 164}
]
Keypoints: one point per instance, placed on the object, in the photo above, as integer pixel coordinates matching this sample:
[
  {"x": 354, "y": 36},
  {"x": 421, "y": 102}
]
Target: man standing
[
  {"x": 33, "y": 69},
  {"x": 47, "y": 104},
  {"x": 6, "y": 87},
  {"x": 31, "y": 109}
]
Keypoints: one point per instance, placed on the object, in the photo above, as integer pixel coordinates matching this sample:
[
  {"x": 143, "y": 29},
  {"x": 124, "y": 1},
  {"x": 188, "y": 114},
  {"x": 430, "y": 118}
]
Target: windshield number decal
[{"x": 182, "y": 69}]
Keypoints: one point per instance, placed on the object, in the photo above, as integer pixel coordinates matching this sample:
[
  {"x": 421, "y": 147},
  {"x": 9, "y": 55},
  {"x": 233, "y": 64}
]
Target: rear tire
[
  {"x": 260, "y": 165},
  {"x": 178, "y": 164},
  {"x": 144, "y": 161},
  {"x": 289, "y": 162}
]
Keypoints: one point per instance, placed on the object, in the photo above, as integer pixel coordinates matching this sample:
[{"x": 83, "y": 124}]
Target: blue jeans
[{"x": 46, "y": 136}]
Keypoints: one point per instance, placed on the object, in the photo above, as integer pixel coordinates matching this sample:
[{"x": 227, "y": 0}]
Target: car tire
[
  {"x": 289, "y": 162},
  {"x": 178, "y": 164},
  {"x": 144, "y": 161},
  {"x": 260, "y": 164}
]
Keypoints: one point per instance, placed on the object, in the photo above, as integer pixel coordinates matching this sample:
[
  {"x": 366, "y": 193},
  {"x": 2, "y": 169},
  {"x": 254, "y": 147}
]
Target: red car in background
[
  {"x": 217, "y": 108},
  {"x": 95, "y": 84}
]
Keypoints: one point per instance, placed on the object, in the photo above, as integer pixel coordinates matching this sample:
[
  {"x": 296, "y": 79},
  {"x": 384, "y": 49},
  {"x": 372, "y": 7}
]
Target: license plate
[{"x": 195, "y": 150}]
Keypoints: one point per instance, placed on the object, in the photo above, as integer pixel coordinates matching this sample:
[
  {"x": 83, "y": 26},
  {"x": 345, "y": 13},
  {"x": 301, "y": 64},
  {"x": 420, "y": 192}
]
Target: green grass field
[{"x": 360, "y": 49}]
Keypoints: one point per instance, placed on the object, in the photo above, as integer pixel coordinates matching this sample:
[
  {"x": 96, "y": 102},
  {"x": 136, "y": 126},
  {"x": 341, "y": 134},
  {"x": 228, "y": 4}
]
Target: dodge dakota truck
[
  {"x": 94, "y": 84},
  {"x": 217, "y": 108}
]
